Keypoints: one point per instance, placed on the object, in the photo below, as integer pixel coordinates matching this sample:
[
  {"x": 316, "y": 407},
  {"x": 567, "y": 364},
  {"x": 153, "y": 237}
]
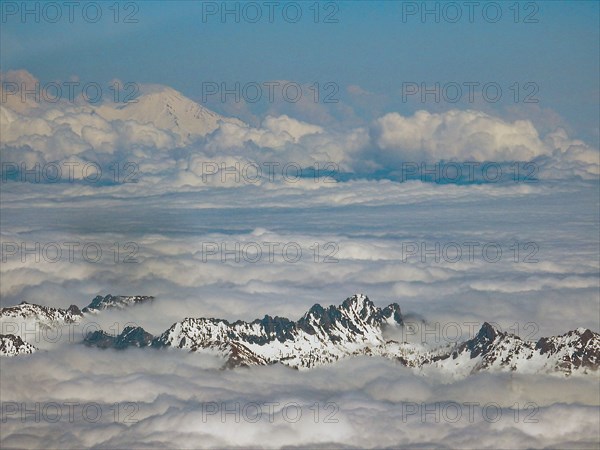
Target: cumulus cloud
[
  {"x": 70, "y": 131},
  {"x": 275, "y": 132},
  {"x": 457, "y": 135},
  {"x": 476, "y": 136},
  {"x": 163, "y": 120}
]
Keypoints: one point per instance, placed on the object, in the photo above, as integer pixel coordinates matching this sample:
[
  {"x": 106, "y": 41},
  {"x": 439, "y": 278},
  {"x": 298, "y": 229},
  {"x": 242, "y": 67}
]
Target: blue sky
[{"x": 370, "y": 46}]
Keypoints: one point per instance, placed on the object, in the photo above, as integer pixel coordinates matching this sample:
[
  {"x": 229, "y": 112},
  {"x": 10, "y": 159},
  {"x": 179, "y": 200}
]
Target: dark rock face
[
  {"x": 100, "y": 339},
  {"x": 278, "y": 328},
  {"x": 578, "y": 349},
  {"x": 483, "y": 341},
  {"x": 131, "y": 336},
  {"x": 241, "y": 356},
  {"x": 393, "y": 311},
  {"x": 74, "y": 310}
]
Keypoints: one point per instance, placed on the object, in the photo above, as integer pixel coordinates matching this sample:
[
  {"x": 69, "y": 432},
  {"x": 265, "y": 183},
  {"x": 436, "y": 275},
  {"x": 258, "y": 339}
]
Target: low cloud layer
[{"x": 179, "y": 400}]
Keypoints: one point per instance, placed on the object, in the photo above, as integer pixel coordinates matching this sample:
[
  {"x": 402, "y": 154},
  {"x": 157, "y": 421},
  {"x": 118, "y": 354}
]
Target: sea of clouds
[{"x": 365, "y": 227}]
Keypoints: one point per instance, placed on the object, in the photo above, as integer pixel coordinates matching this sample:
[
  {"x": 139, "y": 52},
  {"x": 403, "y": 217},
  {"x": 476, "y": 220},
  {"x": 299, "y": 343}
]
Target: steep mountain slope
[
  {"x": 11, "y": 345},
  {"x": 493, "y": 350}
]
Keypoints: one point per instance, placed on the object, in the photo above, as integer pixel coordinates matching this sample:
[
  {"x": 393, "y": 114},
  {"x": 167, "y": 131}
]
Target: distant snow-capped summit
[
  {"x": 52, "y": 317},
  {"x": 168, "y": 109},
  {"x": 45, "y": 316},
  {"x": 115, "y": 301},
  {"x": 27, "y": 321}
]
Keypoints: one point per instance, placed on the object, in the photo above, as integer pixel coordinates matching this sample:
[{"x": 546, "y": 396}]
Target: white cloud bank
[
  {"x": 361, "y": 403},
  {"x": 163, "y": 120}
]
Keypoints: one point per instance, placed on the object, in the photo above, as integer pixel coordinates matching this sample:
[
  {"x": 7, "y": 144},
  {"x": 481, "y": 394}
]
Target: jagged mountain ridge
[
  {"x": 131, "y": 336},
  {"x": 51, "y": 317},
  {"x": 27, "y": 318},
  {"x": 325, "y": 335},
  {"x": 493, "y": 350},
  {"x": 321, "y": 336},
  {"x": 115, "y": 301},
  {"x": 45, "y": 316}
]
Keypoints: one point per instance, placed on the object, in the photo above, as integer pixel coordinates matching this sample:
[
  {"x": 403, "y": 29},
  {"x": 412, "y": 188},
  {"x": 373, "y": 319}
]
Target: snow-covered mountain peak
[
  {"x": 360, "y": 304},
  {"x": 11, "y": 345},
  {"x": 488, "y": 332},
  {"x": 44, "y": 315},
  {"x": 169, "y": 110},
  {"x": 115, "y": 301}
]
